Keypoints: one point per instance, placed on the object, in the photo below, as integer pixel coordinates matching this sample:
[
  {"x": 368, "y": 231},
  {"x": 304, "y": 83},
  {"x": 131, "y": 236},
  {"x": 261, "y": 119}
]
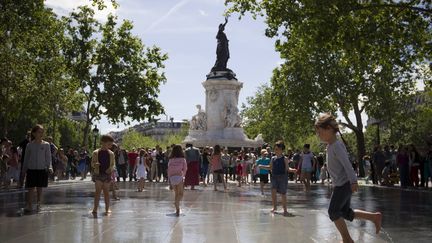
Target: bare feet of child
[
  {"x": 273, "y": 210},
  {"x": 378, "y": 222}
]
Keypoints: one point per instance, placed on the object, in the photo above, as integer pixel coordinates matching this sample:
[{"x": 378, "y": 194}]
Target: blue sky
[{"x": 186, "y": 30}]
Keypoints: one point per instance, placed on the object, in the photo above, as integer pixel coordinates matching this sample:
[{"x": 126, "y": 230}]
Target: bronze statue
[
  {"x": 222, "y": 50},
  {"x": 220, "y": 69}
]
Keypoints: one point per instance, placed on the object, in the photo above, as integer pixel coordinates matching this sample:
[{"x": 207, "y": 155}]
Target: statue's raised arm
[{"x": 226, "y": 22}]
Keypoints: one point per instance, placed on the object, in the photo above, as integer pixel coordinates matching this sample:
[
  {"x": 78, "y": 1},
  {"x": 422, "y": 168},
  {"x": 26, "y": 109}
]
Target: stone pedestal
[
  {"x": 219, "y": 94},
  {"x": 223, "y": 123}
]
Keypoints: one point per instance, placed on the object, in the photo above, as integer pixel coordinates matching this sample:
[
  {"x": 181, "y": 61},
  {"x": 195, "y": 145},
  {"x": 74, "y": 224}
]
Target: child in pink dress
[{"x": 177, "y": 168}]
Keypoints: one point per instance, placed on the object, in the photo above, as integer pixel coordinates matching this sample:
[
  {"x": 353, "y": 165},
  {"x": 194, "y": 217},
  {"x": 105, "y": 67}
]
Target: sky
[{"x": 186, "y": 31}]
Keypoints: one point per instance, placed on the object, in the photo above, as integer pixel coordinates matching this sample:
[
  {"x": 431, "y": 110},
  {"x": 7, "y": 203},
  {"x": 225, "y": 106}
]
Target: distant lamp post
[
  {"x": 172, "y": 124},
  {"x": 378, "y": 137},
  {"x": 95, "y": 134}
]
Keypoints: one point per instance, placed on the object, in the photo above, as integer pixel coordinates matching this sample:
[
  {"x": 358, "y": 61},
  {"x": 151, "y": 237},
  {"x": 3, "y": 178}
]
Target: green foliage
[
  {"x": 264, "y": 115},
  {"x": 102, "y": 5},
  {"x": 70, "y": 133},
  {"x": 118, "y": 75},
  {"x": 51, "y": 66},
  {"x": 134, "y": 140},
  {"x": 35, "y": 86},
  {"x": 344, "y": 55}
]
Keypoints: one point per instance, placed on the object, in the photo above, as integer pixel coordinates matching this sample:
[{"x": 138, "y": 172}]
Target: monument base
[
  {"x": 220, "y": 124},
  {"x": 229, "y": 137}
]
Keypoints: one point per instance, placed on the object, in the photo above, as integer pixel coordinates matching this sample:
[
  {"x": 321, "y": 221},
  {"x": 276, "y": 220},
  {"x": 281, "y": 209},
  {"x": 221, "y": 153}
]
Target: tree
[
  {"x": 119, "y": 77},
  {"x": 264, "y": 115},
  {"x": 345, "y": 55},
  {"x": 34, "y": 82},
  {"x": 135, "y": 140}
]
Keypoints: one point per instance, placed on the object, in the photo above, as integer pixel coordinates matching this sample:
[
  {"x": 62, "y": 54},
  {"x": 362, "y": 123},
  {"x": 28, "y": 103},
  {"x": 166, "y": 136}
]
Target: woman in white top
[
  {"x": 141, "y": 169},
  {"x": 37, "y": 166}
]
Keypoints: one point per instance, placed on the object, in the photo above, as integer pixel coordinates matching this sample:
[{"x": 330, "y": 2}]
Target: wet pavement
[{"x": 239, "y": 215}]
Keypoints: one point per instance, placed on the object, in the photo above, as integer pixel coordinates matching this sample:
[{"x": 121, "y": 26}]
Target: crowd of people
[
  {"x": 36, "y": 160},
  {"x": 405, "y": 165},
  {"x": 188, "y": 167}
]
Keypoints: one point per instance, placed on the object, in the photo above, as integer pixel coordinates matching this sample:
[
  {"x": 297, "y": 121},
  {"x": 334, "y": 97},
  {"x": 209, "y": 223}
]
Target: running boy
[
  {"x": 344, "y": 179},
  {"x": 279, "y": 180},
  {"x": 103, "y": 162}
]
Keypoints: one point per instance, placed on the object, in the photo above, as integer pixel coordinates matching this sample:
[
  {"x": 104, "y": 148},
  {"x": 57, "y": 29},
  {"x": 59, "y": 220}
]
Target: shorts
[
  {"x": 264, "y": 178},
  {"x": 340, "y": 203},
  {"x": 306, "y": 170},
  {"x": 36, "y": 178},
  {"x": 220, "y": 171},
  {"x": 280, "y": 183},
  {"x": 175, "y": 180},
  {"x": 226, "y": 170},
  {"x": 102, "y": 177}
]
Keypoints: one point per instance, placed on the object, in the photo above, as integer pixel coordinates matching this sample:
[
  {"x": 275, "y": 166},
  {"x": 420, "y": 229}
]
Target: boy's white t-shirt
[
  {"x": 307, "y": 160},
  {"x": 338, "y": 164}
]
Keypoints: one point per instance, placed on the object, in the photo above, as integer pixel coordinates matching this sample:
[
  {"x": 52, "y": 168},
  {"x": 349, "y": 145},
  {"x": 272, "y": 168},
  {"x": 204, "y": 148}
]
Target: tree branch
[{"x": 418, "y": 9}]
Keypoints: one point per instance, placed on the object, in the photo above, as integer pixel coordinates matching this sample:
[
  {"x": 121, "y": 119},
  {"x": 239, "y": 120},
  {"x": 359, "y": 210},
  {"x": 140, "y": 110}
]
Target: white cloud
[
  {"x": 64, "y": 7},
  {"x": 171, "y": 11},
  {"x": 202, "y": 12}
]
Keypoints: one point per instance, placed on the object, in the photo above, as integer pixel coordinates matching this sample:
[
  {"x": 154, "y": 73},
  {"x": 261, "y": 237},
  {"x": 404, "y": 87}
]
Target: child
[
  {"x": 103, "y": 162},
  {"x": 244, "y": 164},
  {"x": 323, "y": 175},
  {"x": 61, "y": 164},
  {"x": 262, "y": 173},
  {"x": 239, "y": 171},
  {"x": 141, "y": 169},
  {"x": 344, "y": 179},
  {"x": 177, "y": 168},
  {"x": 114, "y": 186},
  {"x": 216, "y": 166},
  {"x": 367, "y": 167},
  {"x": 386, "y": 174},
  {"x": 307, "y": 161},
  {"x": 37, "y": 166},
  {"x": 279, "y": 176}
]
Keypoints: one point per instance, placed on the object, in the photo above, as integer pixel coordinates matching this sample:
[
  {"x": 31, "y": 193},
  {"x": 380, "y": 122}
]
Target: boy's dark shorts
[
  {"x": 264, "y": 178},
  {"x": 340, "y": 203},
  {"x": 280, "y": 183}
]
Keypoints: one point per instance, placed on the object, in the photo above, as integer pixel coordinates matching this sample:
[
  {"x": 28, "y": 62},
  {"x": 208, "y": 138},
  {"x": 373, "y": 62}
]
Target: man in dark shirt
[{"x": 23, "y": 146}]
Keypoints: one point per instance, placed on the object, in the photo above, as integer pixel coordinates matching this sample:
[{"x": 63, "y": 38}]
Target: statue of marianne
[{"x": 222, "y": 50}]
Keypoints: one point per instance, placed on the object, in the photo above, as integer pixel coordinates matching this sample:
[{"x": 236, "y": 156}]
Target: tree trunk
[{"x": 361, "y": 151}]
